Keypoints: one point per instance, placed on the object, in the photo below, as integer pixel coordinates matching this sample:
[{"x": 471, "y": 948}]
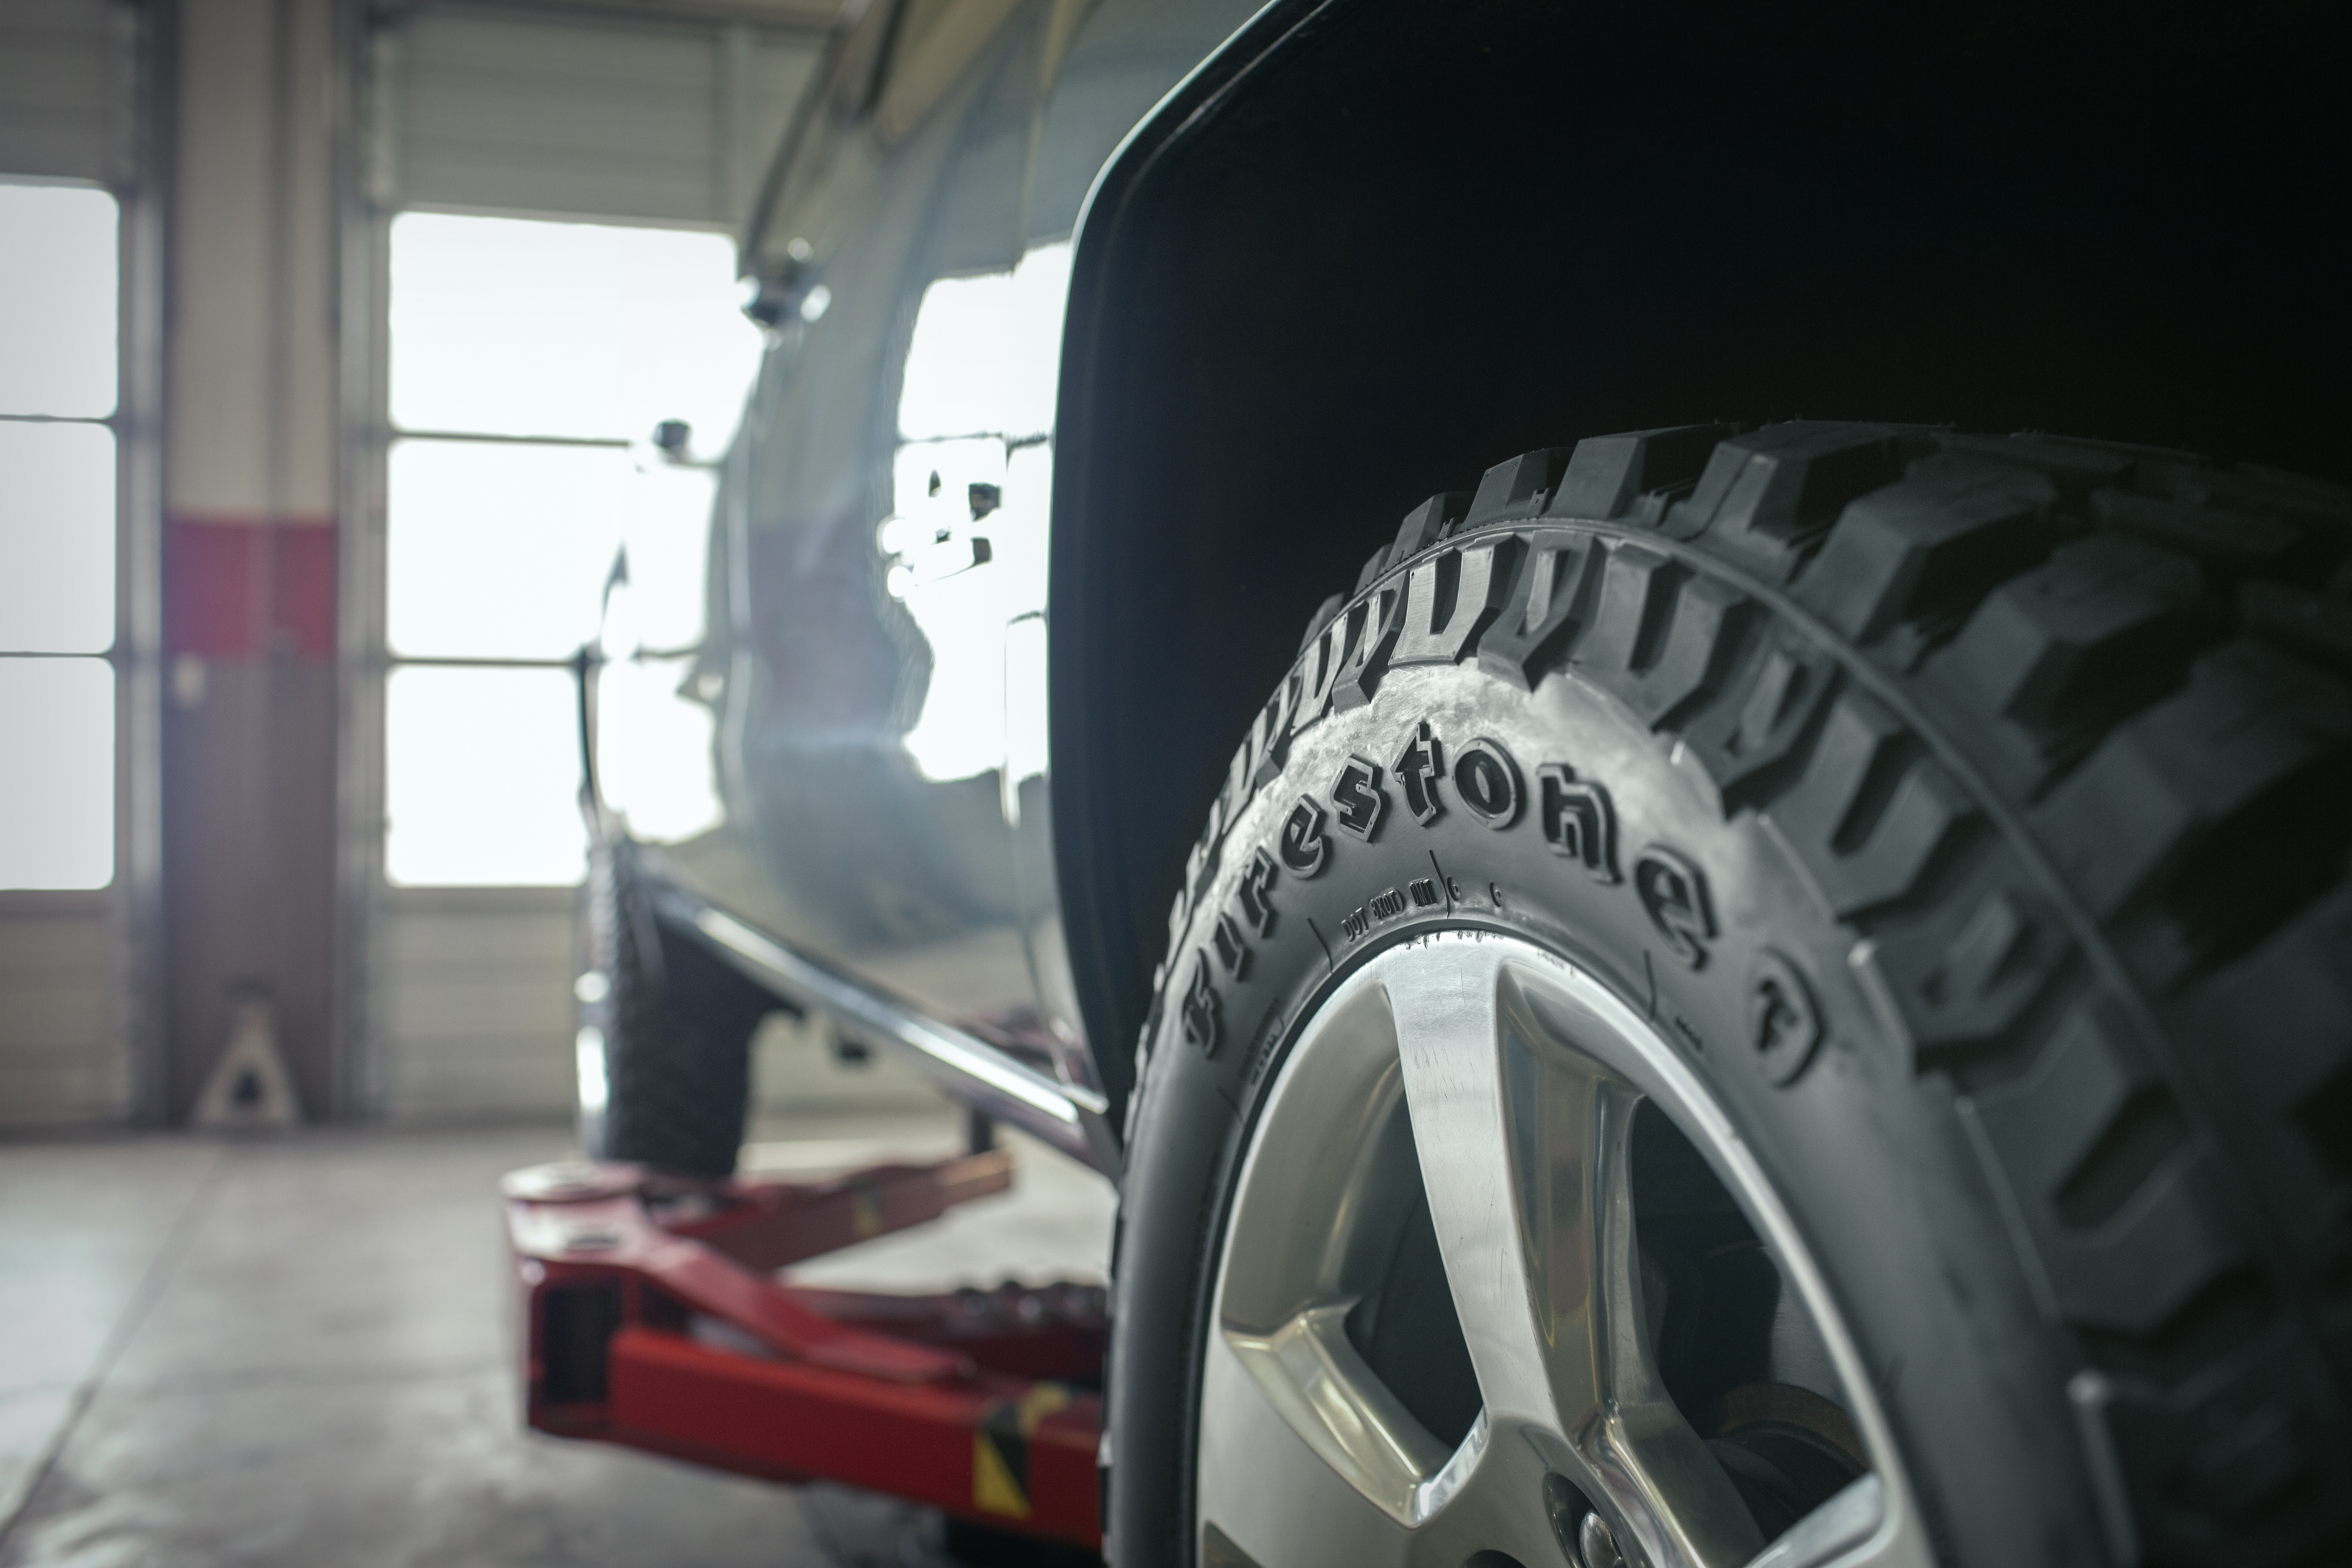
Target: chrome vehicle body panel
[{"x": 875, "y": 654}]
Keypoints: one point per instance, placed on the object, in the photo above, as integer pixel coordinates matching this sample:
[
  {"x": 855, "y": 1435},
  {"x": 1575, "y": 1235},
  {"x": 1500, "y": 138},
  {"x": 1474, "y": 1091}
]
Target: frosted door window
[
  {"x": 508, "y": 552},
  {"x": 57, "y": 538},
  {"x": 56, "y": 797},
  {"x": 662, "y": 779},
  {"x": 556, "y": 347},
  {"x": 57, "y": 301},
  {"x": 482, "y": 778},
  {"x": 58, "y": 349},
  {"x": 498, "y": 551},
  {"x": 519, "y": 328}
]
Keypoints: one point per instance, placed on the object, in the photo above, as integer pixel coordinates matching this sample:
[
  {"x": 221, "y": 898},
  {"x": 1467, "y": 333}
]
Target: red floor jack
[{"x": 652, "y": 1318}]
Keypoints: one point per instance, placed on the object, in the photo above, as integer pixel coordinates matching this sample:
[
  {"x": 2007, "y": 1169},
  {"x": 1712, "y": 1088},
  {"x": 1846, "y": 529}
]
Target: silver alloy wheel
[{"x": 1504, "y": 1081}]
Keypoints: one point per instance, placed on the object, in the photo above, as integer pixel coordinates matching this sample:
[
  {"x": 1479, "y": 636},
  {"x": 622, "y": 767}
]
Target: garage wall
[
  {"x": 66, "y": 75},
  {"x": 463, "y": 1005},
  {"x": 473, "y": 1010},
  {"x": 63, "y": 1058},
  {"x": 593, "y": 117},
  {"x": 471, "y": 1002}
]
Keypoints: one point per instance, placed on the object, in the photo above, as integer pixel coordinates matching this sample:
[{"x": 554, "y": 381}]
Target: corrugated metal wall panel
[
  {"x": 472, "y": 1016},
  {"x": 64, "y": 89},
  {"x": 61, "y": 1057},
  {"x": 472, "y": 1010},
  {"x": 581, "y": 117}
]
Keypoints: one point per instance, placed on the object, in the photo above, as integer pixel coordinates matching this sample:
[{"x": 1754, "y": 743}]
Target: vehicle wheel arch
[{"x": 1245, "y": 378}]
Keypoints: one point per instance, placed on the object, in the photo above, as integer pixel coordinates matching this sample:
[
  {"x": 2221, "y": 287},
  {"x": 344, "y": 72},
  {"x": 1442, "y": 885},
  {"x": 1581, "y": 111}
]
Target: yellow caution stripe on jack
[{"x": 1000, "y": 1449}]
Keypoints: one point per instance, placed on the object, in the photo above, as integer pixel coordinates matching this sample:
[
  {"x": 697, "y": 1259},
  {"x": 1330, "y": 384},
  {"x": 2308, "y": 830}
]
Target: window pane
[
  {"x": 667, "y": 532},
  {"x": 482, "y": 779},
  {"x": 57, "y": 538},
  {"x": 565, "y": 329},
  {"x": 498, "y": 551},
  {"x": 57, "y": 792},
  {"x": 56, "y": 301},
  {"x": 653, "y": 750},
  {"x": 987, "y": 352}
]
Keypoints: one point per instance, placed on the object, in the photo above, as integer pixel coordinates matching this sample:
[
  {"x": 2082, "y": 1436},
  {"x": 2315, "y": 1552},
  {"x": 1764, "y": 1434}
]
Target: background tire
[
  {"x": 673, "y": 1024},
  {"x": 1973, "y": 811}
]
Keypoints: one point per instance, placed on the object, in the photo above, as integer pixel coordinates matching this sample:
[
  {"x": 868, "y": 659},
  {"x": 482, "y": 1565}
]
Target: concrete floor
[{"x": 297, "y": 1352}]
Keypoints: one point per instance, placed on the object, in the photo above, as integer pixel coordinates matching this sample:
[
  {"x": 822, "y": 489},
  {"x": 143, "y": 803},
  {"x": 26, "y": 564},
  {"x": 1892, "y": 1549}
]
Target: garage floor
[{"x": 296, "y": 1352}]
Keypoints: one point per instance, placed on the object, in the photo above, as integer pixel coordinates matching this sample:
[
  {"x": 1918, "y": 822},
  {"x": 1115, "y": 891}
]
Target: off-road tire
[
  {"x": 676, "y": 1024},
  {"x": 1972, "y": 812}
]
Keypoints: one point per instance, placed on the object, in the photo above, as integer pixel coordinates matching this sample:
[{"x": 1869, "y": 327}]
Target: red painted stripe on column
[{"x": 245, "y": 587}]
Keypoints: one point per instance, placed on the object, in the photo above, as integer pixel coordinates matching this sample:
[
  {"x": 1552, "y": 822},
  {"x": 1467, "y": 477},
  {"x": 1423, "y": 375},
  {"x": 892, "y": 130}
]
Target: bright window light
[
  {"x": 666, "y": 528},
  {"x": 57, "y": 538},
  {"x": 987, "y": 352},
  {"x": 663, "y": 779},
  {"x": 982, "y": 372},
  {"x": 57, "y": 301},
  {"x": 57, "y": 819},
  {"x": 498, "y": 551},
  {"x": 522, "y": 328},
  {"x": 505, "y": 550},
  {"x": 482, "y": 778},
  {"x": 588, "y": 1058},
  {"x": 962, "y": 730}
]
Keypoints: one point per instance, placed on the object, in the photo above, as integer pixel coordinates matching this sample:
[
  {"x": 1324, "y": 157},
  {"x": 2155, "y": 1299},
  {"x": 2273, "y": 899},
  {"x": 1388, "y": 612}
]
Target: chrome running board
[{"x": 966, "y": 1068}]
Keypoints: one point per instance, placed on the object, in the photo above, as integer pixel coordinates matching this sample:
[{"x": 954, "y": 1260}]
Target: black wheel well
[{"x": 1379, "y": 244}]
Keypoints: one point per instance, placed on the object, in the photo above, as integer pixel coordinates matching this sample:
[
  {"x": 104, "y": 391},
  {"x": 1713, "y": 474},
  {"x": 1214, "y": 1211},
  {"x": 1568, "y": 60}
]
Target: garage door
[
  {"x": 553, "y": 199},
  {"x": 66, "y": 190}
]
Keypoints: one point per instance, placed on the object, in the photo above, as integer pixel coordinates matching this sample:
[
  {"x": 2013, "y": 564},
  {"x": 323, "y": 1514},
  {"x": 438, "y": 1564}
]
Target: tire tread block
[
  {"x": 1871, "y": 813},
  {"x": 2158, "y": 1247},
  {"x": 1765, "y": 497},
  {"x": 2271, "y": 1041},
  {"x": 1661, "y": 636},
  {"x": 1607, "y": 475},
  {"x": 2231, "y": 539},
  {"x": 1359, "y": 673},
  {"x": 2103, "y": 625},
  {"x": 2074, "y": 469},
  {"x": 2223, "y": 1465},
  {"x": 2312, "y": 625},
  {"x": 1451, "y": 598},
  {"x": 1965, "y": 974},
  {"x": 2253, "y": 749},
  {"x": 1930, "y": 546},
  {"x": 1548, "y": 603},
  {"x": 1518, "y": 487},
  {"x": 2318, "y": 507},
  {"x": 1768, "y": 711},
  {"x": 1423, "y": 526},
  {"x": 1322, "y": 617}
]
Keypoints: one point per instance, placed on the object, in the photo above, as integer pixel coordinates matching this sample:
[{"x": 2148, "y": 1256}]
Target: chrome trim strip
[{"x": 968, "y": 1068}]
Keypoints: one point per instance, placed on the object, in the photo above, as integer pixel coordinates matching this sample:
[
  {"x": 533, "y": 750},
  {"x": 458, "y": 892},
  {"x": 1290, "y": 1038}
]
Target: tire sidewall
[{"x": 1868, "y": 1156}]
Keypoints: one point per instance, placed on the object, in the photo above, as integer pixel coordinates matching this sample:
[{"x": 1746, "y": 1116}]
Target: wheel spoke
[
  {"x": 1449, "y": 1029},
  {"x": 1308, "y": 1372},
  {"x": 1270, "y": 1490},
  {"x": 1524, "y": 1144},
  {"x": 1831, "y": 1530}
]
